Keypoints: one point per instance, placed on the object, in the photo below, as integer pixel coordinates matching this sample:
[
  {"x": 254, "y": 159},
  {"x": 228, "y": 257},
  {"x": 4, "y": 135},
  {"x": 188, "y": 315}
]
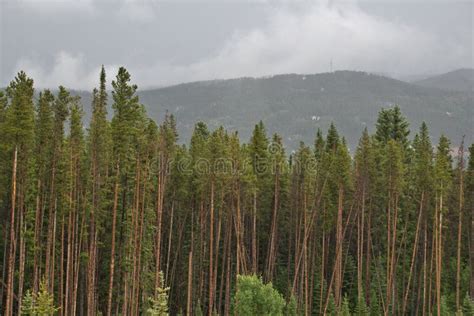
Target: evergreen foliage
[{"x": 108, "y": 212}]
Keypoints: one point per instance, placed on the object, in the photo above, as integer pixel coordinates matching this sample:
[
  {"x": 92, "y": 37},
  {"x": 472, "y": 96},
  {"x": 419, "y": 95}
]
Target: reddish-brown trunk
[
  {"x": 11, "y": 253},
  {"x": 112, "y": 243},
  {"x": 211, "y": 253}
]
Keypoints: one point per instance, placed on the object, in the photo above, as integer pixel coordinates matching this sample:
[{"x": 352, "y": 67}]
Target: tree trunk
[
  {"x": 211, "y": 252},
  {"x": 21, "y": 272},
  {"x": 413, "y": 256},
  {"x": 273, "y": 232},
  {"x": 11, "y": 253},
  {"x": 159, "y": 217},
  {"x": 338, "y": 264},
  {"x": 189, "y": 302},
  {"x": 112, "y": 243},
  {"x": 461, "y": 210},
  {"x": 254, "y": 233}
]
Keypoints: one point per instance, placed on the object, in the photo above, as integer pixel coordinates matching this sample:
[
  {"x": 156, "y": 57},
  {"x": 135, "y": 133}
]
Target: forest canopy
[{"x": 118, "y": 217}]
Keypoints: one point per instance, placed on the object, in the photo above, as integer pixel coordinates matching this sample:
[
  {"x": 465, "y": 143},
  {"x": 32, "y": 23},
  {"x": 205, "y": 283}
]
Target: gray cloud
[{"x": 162, "y": 44}]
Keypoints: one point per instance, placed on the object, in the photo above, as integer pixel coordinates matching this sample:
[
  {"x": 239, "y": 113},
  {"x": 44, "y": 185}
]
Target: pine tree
[
  {"x": 40, "y": 303},
  {"x": 345, "y": 309},
  {"x": 159, "y": 303},
  {"x": 291, "y": 308},
  {"x": 443, "y": 174},
  {"x": 468, "y": 306},
  {"x": 469, "y": 196},
  {"x": 18, "y": 132}
]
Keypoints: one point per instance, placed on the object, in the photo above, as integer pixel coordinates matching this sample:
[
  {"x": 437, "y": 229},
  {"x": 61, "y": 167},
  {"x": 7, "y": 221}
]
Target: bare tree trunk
[
  {"x": 273, "y": 232},
  {"x": 338, "y": 264},
  {"x": 323, "y": 265},
  {"x": 471, "y": 247},
  {"x": 360, "y": 245},
  {"x": 425, "y": 266},
  {"x": 211, "y": 252},
  {"x": 413, "y": 256},
  {"x": 368, "y": 255},
  {"x": 11, "y": 253},
  {"x": 21, "y": 272},
  {"x": 61, "y": 271},
  {"x": 461, "y": 210},
  {"x": 440, "y": 251},
  {"x": 37, "y": 233},
  {"x": 189, "y": 302},
  {"x": 159, "y": 217},
  {"x": 112, "y": 243},
  {"x": 170, "y": 235},
  {"x": 254, "y": 233}
]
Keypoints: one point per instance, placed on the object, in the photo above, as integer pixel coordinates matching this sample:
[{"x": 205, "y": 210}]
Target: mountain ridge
[{"x": 457, "y": 80}]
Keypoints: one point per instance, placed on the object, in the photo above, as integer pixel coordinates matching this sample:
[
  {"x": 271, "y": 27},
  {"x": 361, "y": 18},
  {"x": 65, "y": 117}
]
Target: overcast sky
[{"x": 167, "y": 42}]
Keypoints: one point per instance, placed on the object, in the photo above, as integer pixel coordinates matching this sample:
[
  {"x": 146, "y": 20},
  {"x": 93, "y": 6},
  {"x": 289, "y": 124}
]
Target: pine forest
[{"x": 120, "y": 217}]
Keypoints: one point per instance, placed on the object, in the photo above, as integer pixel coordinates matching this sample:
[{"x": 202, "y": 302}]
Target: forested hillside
[
  {"x": 305, "y": 103},
  {"x": 457, "y": 80},
  {"x": 120, "y": 218}
]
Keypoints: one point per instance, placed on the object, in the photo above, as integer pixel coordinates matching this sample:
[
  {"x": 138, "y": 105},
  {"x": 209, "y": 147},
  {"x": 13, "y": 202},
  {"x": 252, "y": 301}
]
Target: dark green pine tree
[
  {"x": 383, "y": 126},
  {"x": 43, "y": 150},
  {"x": 332, "y": 138},
  {"x": 99, "y": 154},
  {"x": 18, "y": 134},
  {"x": 319, "y": 145},
  {"x": 364, "y": 182},
  {"x": 391, "y": 124},
  {"x": 442, "y": 184},
  {"x": 258, "y": 151},
  {"x": 60, "y": 108},
  {"x": 400, "y": 127},
  {"x": 126, "y": 127}
]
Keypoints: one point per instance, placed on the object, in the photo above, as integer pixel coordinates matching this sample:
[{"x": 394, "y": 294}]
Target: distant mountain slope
[
  {"x": 457, "y": 80},
  {"x": 296, "y": 105}
]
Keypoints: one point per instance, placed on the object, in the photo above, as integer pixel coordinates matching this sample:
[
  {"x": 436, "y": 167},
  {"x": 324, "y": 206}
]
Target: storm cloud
[{"x": 162, "y": 43}]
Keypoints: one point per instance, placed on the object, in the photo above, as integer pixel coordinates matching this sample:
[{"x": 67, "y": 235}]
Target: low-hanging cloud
[{"x": 294, "y": 40}]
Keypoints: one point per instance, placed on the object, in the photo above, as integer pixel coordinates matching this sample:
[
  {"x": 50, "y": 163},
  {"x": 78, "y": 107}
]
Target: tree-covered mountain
[
  {"x": 456, "y": 80},
  {"x": 297, "y": 105}
]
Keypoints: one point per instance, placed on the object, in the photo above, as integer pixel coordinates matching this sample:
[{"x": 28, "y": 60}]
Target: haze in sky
[{"x": 168, "y": 42}]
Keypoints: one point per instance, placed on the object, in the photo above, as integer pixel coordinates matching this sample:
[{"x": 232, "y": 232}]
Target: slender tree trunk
[
  {"x": 159, "y": 217},
  {"x": 273, "y": 232},
  {"x": 338, "y": 265},
  {"x": 189, "y": 302},
  {"x": 360, "y": 245},
  {"x": 211, "y": 252},
  {"x": 61, "y": 272},
  {"x": 11, "y": 253},
  {"x": 170, "y": 235},
  {"x": 21, "y": 272},
  {"x": 37, "y": 234},
  {"x": 461, "y": 210},
  {"x": 254, "y": 233},
  {"x": 471, "y": 247},
  {"x": 425, "y": 266},
  {"x": 440, "y": 251},
  {"x": 413, "y": 256},
  {"x": 323, "y": 265},
  {"x": 112, "y": 243},
  {"x": 368, "y": 255}
]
